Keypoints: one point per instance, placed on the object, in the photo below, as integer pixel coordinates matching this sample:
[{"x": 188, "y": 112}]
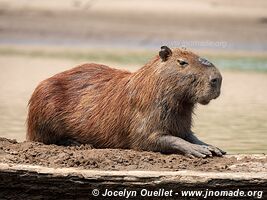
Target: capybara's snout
[{"x": 215, "y": 80}]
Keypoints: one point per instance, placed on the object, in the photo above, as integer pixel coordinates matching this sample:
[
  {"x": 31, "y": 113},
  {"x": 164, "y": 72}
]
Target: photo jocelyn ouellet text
[{"x": 183, "y": 193}]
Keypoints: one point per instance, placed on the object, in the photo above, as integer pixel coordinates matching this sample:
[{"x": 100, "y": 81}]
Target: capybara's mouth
[
  {"x": 204, "y": 102},
  {"x": 217, "y": 94}
]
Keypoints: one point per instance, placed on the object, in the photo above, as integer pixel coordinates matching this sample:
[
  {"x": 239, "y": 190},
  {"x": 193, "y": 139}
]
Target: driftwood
[{"x": 19, "y": 181}]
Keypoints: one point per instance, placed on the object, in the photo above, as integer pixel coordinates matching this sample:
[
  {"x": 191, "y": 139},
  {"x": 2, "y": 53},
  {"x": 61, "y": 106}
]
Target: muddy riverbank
[{"x": 86, "y": 157}]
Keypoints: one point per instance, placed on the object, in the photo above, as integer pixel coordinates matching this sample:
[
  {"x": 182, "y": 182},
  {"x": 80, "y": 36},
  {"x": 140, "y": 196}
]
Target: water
[
  {"x": 243, "y": 63},
  {"x": 236, "y": 122}
]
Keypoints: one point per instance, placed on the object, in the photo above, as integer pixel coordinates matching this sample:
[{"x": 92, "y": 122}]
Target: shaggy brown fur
[{"x": 150, "y": 109}]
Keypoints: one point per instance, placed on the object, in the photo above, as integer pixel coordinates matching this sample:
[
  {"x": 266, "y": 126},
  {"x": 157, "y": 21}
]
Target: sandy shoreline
[{"x": 136, "y": 24}]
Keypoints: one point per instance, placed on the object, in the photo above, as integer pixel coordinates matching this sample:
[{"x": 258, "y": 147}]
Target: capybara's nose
[{"x": 215, "y": 81}]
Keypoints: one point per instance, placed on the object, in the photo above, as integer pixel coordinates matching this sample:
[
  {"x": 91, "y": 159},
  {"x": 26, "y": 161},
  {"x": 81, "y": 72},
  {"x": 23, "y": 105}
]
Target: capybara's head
[{"x": 196, "y": 79}]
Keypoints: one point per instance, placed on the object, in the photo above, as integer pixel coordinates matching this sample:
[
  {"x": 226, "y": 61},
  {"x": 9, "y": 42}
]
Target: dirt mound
[{"x": 86, "y": 157}]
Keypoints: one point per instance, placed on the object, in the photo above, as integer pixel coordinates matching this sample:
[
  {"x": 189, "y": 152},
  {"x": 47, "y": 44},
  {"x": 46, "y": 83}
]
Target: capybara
[{"x": 150, "y": 109}]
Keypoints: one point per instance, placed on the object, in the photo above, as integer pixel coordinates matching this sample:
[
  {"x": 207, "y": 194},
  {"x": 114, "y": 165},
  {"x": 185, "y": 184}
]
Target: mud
[{"x": 86, "y": 157}]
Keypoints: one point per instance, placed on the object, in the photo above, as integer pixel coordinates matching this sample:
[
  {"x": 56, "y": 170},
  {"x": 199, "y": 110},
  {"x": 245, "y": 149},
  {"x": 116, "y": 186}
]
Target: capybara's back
[
  {"x": 150, "y": 109},
  {"x": 83, "y": 104}
]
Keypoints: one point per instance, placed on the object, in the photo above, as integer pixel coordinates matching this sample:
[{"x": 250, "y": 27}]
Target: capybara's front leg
[
  {"x": 171, "y": 144},
  {"x": 215, "y": 150}
]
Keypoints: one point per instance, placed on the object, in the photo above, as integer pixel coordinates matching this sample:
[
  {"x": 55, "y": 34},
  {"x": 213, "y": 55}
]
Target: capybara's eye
[{"x": 182, "y": 62}]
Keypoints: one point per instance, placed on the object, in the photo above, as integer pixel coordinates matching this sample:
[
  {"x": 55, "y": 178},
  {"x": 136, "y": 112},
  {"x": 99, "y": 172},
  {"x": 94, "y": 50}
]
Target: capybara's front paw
[
  {"x": 199, "y": 151},
  {"x": 215, "y": 150}
]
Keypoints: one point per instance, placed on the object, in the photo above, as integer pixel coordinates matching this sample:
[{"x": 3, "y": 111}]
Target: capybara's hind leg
[
  {"x": 171, "y": 144},
  {"x": 68, "y": 142}
]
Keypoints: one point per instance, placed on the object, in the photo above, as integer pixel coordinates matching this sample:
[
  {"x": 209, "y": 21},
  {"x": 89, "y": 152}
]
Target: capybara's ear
[{"x": 165, "y": 53}]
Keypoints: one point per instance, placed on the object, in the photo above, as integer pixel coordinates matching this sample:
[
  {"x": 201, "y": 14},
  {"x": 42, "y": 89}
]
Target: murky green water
[
  {"x": 255, "y": 64},
  {"x": 236, "y": 122}
]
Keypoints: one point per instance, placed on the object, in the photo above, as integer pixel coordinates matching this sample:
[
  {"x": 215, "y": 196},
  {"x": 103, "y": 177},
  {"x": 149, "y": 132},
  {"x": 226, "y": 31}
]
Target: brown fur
[{"x": 111, "y": 108}]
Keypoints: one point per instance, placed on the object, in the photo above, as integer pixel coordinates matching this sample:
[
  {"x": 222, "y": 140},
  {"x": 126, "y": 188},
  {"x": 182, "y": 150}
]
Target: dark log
[{"x": 19, "y": 181}]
